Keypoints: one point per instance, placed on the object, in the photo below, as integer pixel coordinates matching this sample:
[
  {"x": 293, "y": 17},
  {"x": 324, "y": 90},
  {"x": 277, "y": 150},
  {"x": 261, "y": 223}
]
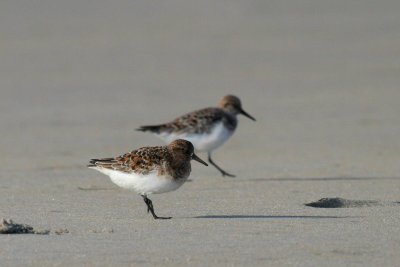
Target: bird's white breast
[
  {"x": 151, "y": 183},
  {"x": 203, "y": 141}
]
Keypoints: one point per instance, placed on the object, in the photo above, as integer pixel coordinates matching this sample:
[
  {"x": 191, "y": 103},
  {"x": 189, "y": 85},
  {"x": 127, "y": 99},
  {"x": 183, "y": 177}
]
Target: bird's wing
[
  {"x": 200, "y": 121},
  {"x": 142, "y": 160}
]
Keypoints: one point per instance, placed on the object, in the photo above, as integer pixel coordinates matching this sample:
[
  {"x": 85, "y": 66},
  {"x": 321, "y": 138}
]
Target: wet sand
[{"x": 322, "y": 79}]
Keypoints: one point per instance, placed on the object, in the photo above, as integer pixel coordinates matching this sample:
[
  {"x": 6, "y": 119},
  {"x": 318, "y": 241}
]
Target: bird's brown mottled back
[
  {"x": 142, "y": 160},
  {"x": 197, "y": 121}
]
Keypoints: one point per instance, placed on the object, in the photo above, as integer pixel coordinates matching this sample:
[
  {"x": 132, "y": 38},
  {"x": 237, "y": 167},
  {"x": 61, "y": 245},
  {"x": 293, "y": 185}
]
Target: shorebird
[
  {"x": 150, "y": 170},
  {"x": 206, "y": 129}
]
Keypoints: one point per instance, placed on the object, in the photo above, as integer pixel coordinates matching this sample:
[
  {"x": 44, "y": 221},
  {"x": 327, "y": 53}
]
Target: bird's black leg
[
  {"x": 150, "y": 208},
  {"x": 224, "y": 173}
]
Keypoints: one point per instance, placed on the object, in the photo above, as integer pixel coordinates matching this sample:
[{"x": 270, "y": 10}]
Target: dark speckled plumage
[
  {"x": 173, "y": 160},
  {"x": 196, "y": 122},
  {"x": 142, "y": 160}
]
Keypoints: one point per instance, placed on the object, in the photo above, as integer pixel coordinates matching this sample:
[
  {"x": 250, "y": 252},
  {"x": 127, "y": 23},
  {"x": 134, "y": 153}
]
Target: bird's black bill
[
  {"x": 247, "y": 115},
  {"x": 196, "y": 158}
]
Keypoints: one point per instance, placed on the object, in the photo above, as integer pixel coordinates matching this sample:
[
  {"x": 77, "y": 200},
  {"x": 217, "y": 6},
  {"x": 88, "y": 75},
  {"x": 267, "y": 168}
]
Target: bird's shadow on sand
[
  {"x": 307, "y": 179},
  {"x": 238, "y": 216}
]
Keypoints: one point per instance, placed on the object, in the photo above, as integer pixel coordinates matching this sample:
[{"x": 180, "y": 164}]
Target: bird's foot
[
  {"x": 150, "y": 208},
  {"x": 224, "y": 173}
]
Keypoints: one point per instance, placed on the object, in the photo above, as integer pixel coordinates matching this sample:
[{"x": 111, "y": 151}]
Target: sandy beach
[{"x": 321, "y": 78}]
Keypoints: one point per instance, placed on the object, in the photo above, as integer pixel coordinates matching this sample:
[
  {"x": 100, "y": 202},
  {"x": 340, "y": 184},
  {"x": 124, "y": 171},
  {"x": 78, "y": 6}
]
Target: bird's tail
[{"x": 152, "y": 128}]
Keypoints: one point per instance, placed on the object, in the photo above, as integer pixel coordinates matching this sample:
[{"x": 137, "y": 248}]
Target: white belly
[
  {"x": 202, "y": 142},
  {"x": 142, "y": 184}
]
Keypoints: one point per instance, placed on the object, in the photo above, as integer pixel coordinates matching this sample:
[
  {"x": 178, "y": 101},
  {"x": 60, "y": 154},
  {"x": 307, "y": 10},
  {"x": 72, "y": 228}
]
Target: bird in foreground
[
  {"x": 150, "y": 170},
  {"x": 206, "y": 129}
]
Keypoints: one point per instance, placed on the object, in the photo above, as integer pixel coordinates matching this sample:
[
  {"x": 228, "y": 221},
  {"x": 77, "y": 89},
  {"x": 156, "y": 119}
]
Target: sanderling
[
  {"x": 150, "y": 170},
  {"x": 207, "y": 128}
]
